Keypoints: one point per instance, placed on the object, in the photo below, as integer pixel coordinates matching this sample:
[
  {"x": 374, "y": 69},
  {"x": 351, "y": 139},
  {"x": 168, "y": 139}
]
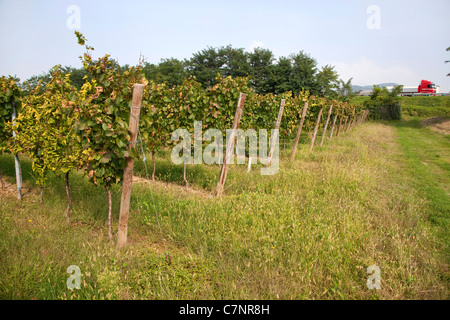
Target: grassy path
[
  {"x": 426, "y": 158},
  {"x": 308, "y": 232}
]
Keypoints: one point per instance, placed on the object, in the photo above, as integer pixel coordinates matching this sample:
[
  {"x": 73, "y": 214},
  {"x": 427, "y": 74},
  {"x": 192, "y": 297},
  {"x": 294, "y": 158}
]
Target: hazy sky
[{"x": 372, "y": 41}]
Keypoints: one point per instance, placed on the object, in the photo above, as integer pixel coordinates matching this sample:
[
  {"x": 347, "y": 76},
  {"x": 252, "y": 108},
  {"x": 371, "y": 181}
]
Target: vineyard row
[{"x": 62, "y": 129}]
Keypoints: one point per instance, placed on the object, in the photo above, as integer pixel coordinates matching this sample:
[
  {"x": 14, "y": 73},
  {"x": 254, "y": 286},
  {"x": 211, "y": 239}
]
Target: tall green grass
[{"x": 308, "y": 232}]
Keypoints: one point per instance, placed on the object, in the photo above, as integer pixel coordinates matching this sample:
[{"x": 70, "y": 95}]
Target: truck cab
[{"x": 426, "y": 86}]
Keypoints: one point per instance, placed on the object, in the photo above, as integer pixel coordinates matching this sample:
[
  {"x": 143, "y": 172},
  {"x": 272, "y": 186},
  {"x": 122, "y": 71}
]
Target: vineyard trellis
[{"x": 62, "y": 129}]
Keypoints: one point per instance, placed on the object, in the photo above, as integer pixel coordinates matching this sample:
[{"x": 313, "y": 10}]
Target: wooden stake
[
  {"x": 313, "y": 139},
  {"x": 108, "y": 193},
  {"x": 128, "y": 171},
  {"x": 360, "y": 119},
  {"x": 154, "y": 165},
  {"x": 339, "y": 126},
  {"x": 186, "y": 183},
  {"x": 69, "y": 199},
  {"x": 275, "y": 136},
  {"x": 350, "y": 121},
  {"x": 230, "y": 145},
  {"x": 353, "y": 120},
  {"x": 344, "y": 126},
  {"x": 326, "y": 125},
  {"x": 332, "y": 127},
  {"x": 299, "y": 131},
  {"x": 2, "y": 182}
]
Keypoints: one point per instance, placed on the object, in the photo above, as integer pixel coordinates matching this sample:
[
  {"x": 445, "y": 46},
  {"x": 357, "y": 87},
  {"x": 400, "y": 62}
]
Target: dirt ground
[
  {"x": 181, "y": 190},
  {"x": 8, "y": 188},
  {"x": 438, "y": 124}
]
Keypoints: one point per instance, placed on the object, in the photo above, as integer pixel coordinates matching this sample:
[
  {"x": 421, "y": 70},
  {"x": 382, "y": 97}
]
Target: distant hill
[{"x": 358, "y": 88}]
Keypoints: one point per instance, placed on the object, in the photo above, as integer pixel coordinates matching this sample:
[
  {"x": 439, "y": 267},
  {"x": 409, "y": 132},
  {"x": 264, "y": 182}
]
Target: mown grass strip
[{"x": 427, "y": 161}]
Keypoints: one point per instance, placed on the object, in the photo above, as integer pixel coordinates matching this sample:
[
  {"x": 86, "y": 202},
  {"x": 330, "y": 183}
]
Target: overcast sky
[{"x": 372, "y": 41}]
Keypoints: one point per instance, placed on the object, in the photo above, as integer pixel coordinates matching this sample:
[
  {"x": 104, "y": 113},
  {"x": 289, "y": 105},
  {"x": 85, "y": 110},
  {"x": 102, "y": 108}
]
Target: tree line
[{"x": 266, "y": 73}]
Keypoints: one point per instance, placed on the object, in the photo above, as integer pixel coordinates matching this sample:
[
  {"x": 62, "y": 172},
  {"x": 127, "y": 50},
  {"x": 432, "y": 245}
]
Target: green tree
[
  {"x": 304, "y": 69},
  {"x": 226, "y": 61},
  {"x": 327, "y": 81},
  {"x": 33, "y": 82},
  {"x": 76, "y": 76},
  {"x": 235, "y": 62},
  {"x": 206, "y": 65},
  {"x": 171, "y": 71},
  {"x": 385, "y": 104},
  {"x": 282, "y": 76},
  {"x": 261, "y": 62},
  {"x": 345, "y": 90}
]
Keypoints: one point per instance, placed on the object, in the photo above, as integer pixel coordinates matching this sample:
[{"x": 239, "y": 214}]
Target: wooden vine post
[
  {"x": 353, "y": 120},
  {"x": 299, "y": 131},
  {"x": 230, "y": 145},
  {"x": 326, "y": 125},
  {"x": 128, "y": 171},
  {"x": 69, "y": 199},
  {"x": 339, "y": 126},
  {"x": 275, "y": 135},
  {"x": 316, "y": 128},
  {"x": 332, "y": 127},
  {"x": 366, "y": 113},
  {"x": 359, "y": 120}
]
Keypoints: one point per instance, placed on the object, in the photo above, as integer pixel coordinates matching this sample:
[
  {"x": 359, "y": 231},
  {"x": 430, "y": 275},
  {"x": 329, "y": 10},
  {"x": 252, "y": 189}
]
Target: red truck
[{"x": 425, "y": 88}]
